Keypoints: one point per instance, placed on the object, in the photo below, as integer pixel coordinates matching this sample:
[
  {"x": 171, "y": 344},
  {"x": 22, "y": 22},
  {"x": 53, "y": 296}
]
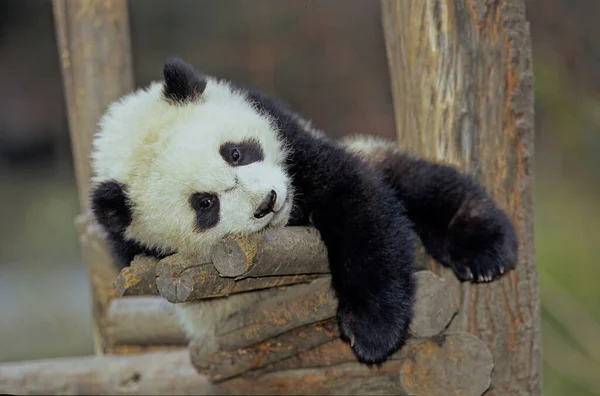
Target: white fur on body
[{"x": 163, "y": 153}]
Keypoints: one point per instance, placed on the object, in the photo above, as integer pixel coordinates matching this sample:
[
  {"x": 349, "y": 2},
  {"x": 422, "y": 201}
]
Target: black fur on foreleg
[
  {"x": 456, "y": 219},
  {"x": 371, "y": 247},
  {"x": 372, "y": 275},
  {"x": 370, "y": 241}
]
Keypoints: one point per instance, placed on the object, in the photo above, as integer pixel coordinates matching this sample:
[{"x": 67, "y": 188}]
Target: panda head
[{"x": 186, "y": 162}]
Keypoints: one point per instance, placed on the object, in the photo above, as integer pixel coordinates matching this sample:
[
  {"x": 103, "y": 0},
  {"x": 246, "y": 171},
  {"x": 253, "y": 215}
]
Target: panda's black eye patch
[
  {"x": 241, "y": 153},
  {"x": 207, "y": 207}
]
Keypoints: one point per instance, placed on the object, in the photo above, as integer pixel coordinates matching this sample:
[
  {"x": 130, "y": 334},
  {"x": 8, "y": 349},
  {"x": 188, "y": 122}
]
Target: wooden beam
[
  {"x": 156, "y": 373},
  {"x": 461, "y": 77},
  {"x": 291, "y": 307},
  {"x": 223, "y": 365},
  {"x": 143, "y": 321},
  {"x": 289, "y": 251},
  {"x": 182, "y": 280},
  {"x": 95, "y": 57},
  {"x": 299, "y": 319},
  {"x": 447, "y": 364}
]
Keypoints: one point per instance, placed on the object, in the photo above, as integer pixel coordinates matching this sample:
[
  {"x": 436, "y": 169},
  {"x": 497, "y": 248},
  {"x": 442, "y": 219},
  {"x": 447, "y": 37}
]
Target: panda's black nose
[{"x": 266, "y": 206}]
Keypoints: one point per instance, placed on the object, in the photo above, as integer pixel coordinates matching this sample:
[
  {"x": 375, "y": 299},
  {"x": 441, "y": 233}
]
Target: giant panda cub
[{"x": 192, "y": 159}]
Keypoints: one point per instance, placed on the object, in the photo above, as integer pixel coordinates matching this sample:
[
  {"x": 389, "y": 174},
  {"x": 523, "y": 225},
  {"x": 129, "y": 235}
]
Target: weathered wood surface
[
  {"x": 157, "y": 373},
  {"x": 143, "y": 321},
  {"x": 461, "y": 77},
  {"x": 446, "y": 364},
  {"x": 139, "y": 279},
  {"x": 343, "y": 379},
  {"x": 95, "y": 56},
  {"x": 102, "y": 273},
  {"x": 293, "y": 306},
  {"x": 222, "y": 365},
  {"x": 436, "y": 303},
  {"x": 179, "y": 280},
  {"x": 260, "y": 336},
  {"x": 289, "y": 251}
]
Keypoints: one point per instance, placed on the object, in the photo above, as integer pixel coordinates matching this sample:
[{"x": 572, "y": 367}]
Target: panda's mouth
[{"x": 278, "y": 218}]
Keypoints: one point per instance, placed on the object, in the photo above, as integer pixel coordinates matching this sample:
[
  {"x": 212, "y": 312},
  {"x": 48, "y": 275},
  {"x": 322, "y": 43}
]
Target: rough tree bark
[
  {"x": 461, "y": 77},
  {"x": 95, "y": 56}
]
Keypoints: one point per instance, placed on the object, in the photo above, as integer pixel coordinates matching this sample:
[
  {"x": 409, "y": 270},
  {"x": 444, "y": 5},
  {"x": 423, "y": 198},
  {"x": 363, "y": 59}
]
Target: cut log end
[
  {"x": 138, "y": 279},
  {"x": 435, "y": 305},
  {"x": 232, "y": 258},
  {"x": 289, "y": 251},
  {"x": 448, "y": 364}
]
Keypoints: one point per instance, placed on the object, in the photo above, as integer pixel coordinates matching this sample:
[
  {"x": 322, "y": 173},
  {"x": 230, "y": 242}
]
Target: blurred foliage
[{"x": 329, "y": 63}]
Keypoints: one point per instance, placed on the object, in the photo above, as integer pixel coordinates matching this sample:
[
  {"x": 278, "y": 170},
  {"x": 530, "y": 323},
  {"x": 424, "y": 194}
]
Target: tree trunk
[
  {"x": 461, "y": 77},
  {"x": 95, "y": 55}
]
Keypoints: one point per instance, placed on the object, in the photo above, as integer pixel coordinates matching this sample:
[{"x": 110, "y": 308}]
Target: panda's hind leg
[{"x": 457, "y": 221}]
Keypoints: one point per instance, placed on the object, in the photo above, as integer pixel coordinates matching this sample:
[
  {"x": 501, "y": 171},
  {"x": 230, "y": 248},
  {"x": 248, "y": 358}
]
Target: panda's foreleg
[
  {"x": 370, "y": 244},
  {"x": 370, "y": 241},
  {"x": 458, "y": 222},
  {"x": 371, "y": 247}
]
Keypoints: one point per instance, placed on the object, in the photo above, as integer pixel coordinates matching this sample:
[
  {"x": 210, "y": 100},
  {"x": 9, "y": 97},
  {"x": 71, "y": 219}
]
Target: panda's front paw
[
  {"x": 482, "y": 245},
  {"x": 374, "y": 332}
]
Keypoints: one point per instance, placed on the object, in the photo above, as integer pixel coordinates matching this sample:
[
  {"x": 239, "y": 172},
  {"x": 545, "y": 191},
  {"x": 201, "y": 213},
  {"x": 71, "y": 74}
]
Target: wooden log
[
  {"x": 292, "y": 307},
  {"x": 179, "y": 280},
  {"x": 434, "y": 298},
  {"x": 102, "y": 273},
  {"x": 143, "y": 321},
  {"x": 157, "y": 373},
  {"x": 343, "y": 379},
  {"x": 95, "y": 56},
  {"x": 139, "y": 279},
  {"x": 447, "y": 364},
  {"x": 436, "y": 303},
  {"x": 223, "y": 365},
  {"x": 462, "y": 83},
  {"x": 289, "y": 251}
]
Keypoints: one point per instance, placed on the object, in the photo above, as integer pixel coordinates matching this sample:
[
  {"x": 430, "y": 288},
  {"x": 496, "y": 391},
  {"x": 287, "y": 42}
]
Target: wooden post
[
  {"x": 95, "y": 56},
  {"x": 461, "y": 77}
]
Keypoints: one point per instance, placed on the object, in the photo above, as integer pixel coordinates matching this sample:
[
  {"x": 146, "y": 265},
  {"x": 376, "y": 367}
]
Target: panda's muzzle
[{"x": 266, "y": 206}]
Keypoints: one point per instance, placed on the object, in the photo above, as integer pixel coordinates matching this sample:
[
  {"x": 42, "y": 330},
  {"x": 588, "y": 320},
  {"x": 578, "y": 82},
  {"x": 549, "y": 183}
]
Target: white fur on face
[{"x": 164, "y": 153}]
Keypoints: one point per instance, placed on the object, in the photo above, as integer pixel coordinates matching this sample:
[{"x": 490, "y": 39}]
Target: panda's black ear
[
  {"x": 111, "y": 207},
  {"x": 183, "y": 83}
]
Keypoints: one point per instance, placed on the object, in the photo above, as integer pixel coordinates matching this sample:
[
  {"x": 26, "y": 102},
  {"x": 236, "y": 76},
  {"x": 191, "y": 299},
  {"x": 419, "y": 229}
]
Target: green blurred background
[{"x": 329, "y": 63}]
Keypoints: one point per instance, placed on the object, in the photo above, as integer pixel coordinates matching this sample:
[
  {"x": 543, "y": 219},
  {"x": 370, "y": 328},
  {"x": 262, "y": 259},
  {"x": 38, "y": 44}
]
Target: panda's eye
[
  {"x": 235, "y": 155},
  {"x": 206, "y": 202},
  {"x": 241, "y": 153},
  {"x": 203, "y": 201}
]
